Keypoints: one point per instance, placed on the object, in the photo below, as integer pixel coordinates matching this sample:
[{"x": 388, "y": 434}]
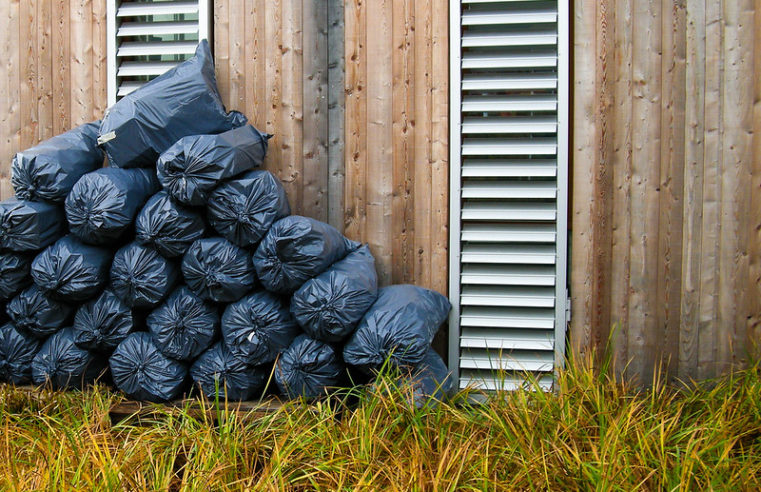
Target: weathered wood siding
[
  {"x": 364, "y": 148},
  {"x": 52, "y": 71},
  {"x": 667, "y": 183},
  {"x": 361, "y": 143}
]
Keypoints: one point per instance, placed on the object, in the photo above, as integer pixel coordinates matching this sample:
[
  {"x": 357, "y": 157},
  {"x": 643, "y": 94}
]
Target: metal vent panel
[
  {"x": 147, "y": 38},
  {"x": 509, "y": 188}
]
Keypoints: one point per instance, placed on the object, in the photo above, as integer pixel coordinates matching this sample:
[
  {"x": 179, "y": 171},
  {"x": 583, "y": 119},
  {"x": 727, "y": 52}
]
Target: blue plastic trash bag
[
  {"x": 102, "y": 323},
  {"x": 71, "y": 270},
  {"x": 183, "y": 101},
  {"x": 308, "y": 368},
  {"x": 243, "y": 209},
  {"x": 184, "y": 325},
  {"x": 258, "y": 328},
  {"x": 14, "y": 273},
  {"x": 103, "y": 204},
  {"x": 191, "y": 168},
  {"x": 17, "y": 350},
  {"x": 430, "y": 380},
  {"x": 296, "y": 249},
  {"x": 141, "y": 277},
  {"x": 37, "y": 314},
  {"x": 50, "y": 169},
  {"x": 329, "y": 306},
  {"x": 399, "y": 326},
  {"x": 168, "y": 226},
  {"x": 61, "y": 364},
  {"x": 141, "y": 371},
  {"x": 221, "y": 374},
  {"x": 217, "y": 270},
  {"x": 30, "y": 226}
]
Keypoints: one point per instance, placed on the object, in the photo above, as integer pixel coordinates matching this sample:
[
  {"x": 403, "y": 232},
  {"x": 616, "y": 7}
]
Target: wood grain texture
[{"x": 684, "y": 245}]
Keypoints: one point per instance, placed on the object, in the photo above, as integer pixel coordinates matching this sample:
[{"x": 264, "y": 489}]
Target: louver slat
[
  {"x": 132, "y": 9},
  {"x": 127, "y": 69},
  {"x": 157, "y": 48},
  {"x": 156, "y": 28},
  {"x": 509, "y": 174}
]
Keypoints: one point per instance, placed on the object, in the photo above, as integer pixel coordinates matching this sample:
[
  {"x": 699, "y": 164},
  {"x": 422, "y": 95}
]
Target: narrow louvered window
[
  {"x": 509, "y": 176},
  {"x": 148, "y": 37}
]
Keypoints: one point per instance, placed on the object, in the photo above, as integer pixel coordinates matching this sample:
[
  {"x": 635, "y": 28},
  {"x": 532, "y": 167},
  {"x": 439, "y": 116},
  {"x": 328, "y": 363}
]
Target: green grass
[{"x": 593, "y": 434}]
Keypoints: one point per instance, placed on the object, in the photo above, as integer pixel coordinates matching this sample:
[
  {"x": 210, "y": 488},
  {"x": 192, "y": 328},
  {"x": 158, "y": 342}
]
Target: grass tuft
[{"x": 592, "y": 433}]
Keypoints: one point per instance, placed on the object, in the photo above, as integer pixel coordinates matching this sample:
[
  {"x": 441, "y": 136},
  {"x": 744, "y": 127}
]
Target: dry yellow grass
[{"x": 593, "y": 434}]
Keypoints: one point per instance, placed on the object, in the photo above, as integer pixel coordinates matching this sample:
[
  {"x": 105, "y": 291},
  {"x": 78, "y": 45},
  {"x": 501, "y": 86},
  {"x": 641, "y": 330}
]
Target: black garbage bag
[
  {"x": 258, "y": 328},
  {"x": 329, "y": 306},
  {"x": 102, "y": 323},
  {"x": 50, "y": 169},
  {"x": 168, "y": 226},
  {"x": 30, "y": 226},
  {"x": 62, "y": 364},
  {"x": 430, "y": 380},
  {"x": 184, "y": 325},
  {"x": 37, "y": 314},
  {"x": 14, "y": 273},
  {"x": 220, "y": 374},
  {"x": 140, "y": 370},
  {"x": 183, "y": 101},
  {"x": 71, "y": 270},
  {"x": 399, "y": 326},
  {"x": 308, "y": 368},
  {"x": 242, "y": 210},
  {"x": 217, "y": 270},
  {"x": 191, "y": 168},
  {"x": 296, "y": 249},
  {"x": 103, "y": 203},
  {"x": 17, "y": 350},
  {"x": 141, "y": 277}
]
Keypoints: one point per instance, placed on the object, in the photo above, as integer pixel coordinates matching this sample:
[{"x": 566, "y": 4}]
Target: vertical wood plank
[
  {"x": 736, "y": 173},
  {"x": 14, "y": 67},
  {"x": 754, "y": 226},
  {"x": 403, "y": 159},
  {"x": 585, "y": 162},
  {"x": 315, "y": 101},
  {"x": 81, "y": 62},
  {"x": 693, "y": 187},
  {"x": 44, "y": 71},
  {"x": 272, "y": 35},
  {"x": 27, "y": 45},
  {"x": 291, "y": 117},
  {"x": 355, "y": 217},
  {"x": 711, "y": 225},
  {"x": 622, "y": 166},
  {"x": 237, "y": 60},
  {"x": 645, "y": 180},
  {"x": 671, "y": 186},
  {"x": 7, "y": 81},
  {"x": 440, "y": 150},
  {"x": 222, "y": 47},
  {"x": 421, "y": 162},
  {"x": 61, "y": 67},
  {"x": 336, "y": 114},
  {"x": 379, "y": 135},
  {"x": 99, "y": 57}
]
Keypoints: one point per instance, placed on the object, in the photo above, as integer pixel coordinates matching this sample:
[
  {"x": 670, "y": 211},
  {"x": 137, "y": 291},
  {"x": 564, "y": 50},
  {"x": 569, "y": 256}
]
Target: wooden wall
[
  {"x": 667, "y": 182},
  {"x": 365, "y": 148},
  {"x": 52, "y": 71},
  {"x": 361, "y": 143}
]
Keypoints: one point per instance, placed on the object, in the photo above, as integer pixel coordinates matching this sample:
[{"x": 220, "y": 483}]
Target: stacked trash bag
[{"x": 180, "y": 266}]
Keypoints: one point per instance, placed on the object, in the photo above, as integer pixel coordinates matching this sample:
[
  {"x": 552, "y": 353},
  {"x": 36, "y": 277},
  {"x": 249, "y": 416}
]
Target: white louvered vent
[
  {"x": 509, "y": 176},
  {"x": 148, "y": 37}
]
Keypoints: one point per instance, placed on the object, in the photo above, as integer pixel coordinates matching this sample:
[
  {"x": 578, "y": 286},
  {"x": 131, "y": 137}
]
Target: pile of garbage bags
[{"x": 178, "y": 267}]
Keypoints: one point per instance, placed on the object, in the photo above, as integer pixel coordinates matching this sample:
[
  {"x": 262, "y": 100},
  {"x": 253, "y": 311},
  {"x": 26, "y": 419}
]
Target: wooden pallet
[{"x": 135, "y": 411}]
